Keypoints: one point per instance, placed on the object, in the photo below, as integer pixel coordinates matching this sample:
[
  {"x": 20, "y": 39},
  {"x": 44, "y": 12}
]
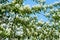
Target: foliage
[{"x": 16, "y": 22}]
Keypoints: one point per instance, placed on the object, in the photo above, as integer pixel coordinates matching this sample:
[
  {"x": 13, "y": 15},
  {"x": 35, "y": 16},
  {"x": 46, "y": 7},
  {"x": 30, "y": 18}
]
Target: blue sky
[{"x": 31, "y": 3}]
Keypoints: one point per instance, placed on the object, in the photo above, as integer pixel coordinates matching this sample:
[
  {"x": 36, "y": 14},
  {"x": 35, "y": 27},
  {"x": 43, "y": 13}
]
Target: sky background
[{"x": 31, "y": 3}]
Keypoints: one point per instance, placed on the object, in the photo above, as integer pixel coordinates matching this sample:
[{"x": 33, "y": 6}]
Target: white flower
[
  {"x": 45, "y": 32},
  {"x": 21, "y": 8},
  {"x": 19, "y": 33},
  {"x": 51, "y": 10},
  {"x": 41, "y": 22},
  {"x": 6, "y": 39},
  {"x": 56, "y": 9},
  {"x": 3, "y": 10},
  {"x": 27, "y": 30},
  {"x": 0, "y": 6},
  {"x": 37, "y": 6},
  {"x": 0, "y": 32},
  {"x": 59, "y": 15},
  {"x": 41, "y": 0},
  {"x": 32, "y": 30},
  {"x": 56, "y": 31},
  {"x": 17, "y": 5},
  {"x": 57, "y": 23},
  {"x": 53, "y": 23},
  {"x": 38, "y": 27},
  {"x": 4, "y": 25},
  {"x": 27, "y": 8},
  {"x": 26, "y": 38},
  {"x": 47, "y": 22},
  {"x": 12, "y": 12},
  {"x": 13, "y": 1},
  {"x": 47, "y": 14},
  {"x": 17, "y": 29},
  {"x": 26, "y": 19},
  {"x": 40, "y": 35},
  {"x": 17, "y": 16},
  {"x": 50, "y": 6},
  {"x": 54, "y": 15},
  {"x": 56, "y": 2},
  {"x": 8, "y": 30}
]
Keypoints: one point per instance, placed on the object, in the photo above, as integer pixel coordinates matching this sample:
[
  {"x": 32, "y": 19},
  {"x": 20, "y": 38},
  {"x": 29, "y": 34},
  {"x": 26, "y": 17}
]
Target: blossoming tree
[{"x": 16, "y": 22}]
